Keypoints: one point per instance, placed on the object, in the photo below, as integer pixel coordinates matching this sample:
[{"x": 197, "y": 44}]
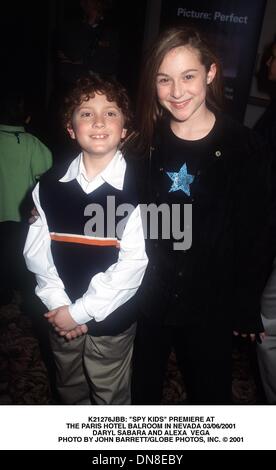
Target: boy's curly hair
[{"x": 86, "y": 87}]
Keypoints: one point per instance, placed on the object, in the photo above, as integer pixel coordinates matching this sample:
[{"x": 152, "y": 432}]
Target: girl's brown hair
[{"x": 148, "y": 108}]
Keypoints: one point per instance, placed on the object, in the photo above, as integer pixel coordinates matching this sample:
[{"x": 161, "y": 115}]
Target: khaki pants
[{"x": 94, "y": 368}]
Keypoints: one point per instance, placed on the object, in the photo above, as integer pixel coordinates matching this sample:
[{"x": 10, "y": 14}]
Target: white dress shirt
[{"x": 107, "y": 290}]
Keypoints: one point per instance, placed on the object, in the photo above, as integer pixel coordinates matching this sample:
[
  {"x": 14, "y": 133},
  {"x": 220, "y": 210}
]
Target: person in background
[
  {"x": 266, "y": 351},
  {"x": 23, "y": 159},
  {"x": 90, "y": 45},
  {"x": 193, "y": 298},
  {"x": 85, "y": 45},
  {"x": 88, "y": 281},
  {"x": 266, "y": 125}
]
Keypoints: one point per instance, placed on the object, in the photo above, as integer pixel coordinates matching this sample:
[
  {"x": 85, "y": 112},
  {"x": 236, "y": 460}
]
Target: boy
[{"x": 85, "y": 281}]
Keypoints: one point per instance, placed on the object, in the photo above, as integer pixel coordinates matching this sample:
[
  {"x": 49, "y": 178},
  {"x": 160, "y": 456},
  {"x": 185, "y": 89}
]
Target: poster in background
[{"x": 233, "y": 26}]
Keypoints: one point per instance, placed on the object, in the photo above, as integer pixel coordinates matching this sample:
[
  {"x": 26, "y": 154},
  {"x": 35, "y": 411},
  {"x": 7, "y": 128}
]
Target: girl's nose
[{"x": 177, "y": 90}]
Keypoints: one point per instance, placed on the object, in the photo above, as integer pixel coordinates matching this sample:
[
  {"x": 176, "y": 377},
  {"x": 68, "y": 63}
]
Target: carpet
[{"x": 26, "y": 365}]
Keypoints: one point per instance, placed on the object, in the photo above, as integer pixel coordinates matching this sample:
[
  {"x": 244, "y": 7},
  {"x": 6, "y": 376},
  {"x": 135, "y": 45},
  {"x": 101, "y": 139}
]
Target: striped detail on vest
[{"x": 84, "y": 240}]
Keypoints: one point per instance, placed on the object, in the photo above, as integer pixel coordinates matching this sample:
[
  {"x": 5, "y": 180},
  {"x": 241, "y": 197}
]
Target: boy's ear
[
  {"x": 124, "y": 133},
  {"x": 71, "y": 132}
]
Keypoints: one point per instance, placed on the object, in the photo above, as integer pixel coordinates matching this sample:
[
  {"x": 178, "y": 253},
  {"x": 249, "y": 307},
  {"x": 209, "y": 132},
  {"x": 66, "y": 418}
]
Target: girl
[{"x": 193, "y": 299}]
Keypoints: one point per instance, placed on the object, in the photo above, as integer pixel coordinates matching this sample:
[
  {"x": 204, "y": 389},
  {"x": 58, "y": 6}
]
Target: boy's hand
[
  {"x": 34, "y": 216},
  {"x": 61, "y": 319},
  {"x": 78, "y": 331}
]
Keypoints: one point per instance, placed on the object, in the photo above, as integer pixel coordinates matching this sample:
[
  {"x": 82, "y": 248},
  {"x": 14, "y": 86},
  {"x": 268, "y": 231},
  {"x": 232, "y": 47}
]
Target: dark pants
[
  {"x": 204, "y": 357},
  {"x": 13, "y": 269}
]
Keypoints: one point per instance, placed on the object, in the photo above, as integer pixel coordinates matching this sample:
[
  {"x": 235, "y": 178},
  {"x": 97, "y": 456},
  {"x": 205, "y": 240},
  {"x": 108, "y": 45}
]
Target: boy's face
[{"x": 98, "y": 127}]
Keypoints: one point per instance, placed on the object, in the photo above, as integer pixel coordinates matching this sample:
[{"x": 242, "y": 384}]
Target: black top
[{"x": 220, "y": 278}]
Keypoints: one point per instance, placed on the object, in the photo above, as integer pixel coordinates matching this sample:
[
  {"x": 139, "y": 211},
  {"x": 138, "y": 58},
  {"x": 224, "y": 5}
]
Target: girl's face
[
  {"x": 182, "y": 82},
  {"x": 271, "y": 64}
]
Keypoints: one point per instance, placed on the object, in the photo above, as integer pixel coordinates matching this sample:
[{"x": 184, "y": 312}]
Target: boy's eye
[
  {"x": 86, "y": 114},
  {"x": 111, "y": 113}
]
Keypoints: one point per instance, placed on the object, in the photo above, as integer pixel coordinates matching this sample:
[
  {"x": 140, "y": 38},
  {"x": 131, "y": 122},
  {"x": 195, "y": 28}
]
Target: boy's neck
[{"x": 94, "y": 165}]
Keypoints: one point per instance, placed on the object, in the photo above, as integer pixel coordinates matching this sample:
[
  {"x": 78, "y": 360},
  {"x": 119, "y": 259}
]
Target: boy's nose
[{"x": 98, "y": 122}]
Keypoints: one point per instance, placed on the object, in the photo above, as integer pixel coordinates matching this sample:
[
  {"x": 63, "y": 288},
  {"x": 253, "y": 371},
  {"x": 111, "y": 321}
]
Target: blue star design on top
[{"x": 181, "y": 180}]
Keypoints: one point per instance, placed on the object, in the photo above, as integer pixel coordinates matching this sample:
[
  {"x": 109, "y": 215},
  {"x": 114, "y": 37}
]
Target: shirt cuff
[
  {"x": 79, "y": 313},
  {"x": 53, "y": 298}
]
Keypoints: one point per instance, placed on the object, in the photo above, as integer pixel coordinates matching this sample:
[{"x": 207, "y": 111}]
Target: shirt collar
[
  {"x": 6, "y": 128},
  {"x": 113, "y": 173}
]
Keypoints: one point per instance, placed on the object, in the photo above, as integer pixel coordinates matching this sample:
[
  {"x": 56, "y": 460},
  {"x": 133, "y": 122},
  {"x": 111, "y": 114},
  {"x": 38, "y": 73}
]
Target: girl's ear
[
  {"x": 71, "y": 132},
  {"x": 211, "y": 74},
  {"x": 124, "y": 133}
]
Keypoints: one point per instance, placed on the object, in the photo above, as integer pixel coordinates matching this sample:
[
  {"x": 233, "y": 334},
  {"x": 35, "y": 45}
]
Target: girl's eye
[
  {"x": 188, "y": 76},
  {"x": 163, "y": 80}
]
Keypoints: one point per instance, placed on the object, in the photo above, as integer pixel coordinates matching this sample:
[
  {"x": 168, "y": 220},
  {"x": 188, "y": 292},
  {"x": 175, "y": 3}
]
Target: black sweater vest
[{"x": 76, "y": 261}]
